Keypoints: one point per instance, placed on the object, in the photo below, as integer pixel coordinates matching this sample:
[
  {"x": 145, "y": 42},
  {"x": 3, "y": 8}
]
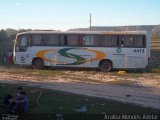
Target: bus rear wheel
[
  {"x": 105, "y": 66},
  {"x": 38, "y": 64}
]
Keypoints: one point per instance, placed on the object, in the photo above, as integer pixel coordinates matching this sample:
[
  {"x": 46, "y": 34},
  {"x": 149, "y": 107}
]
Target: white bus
[{"x": 95, "y": 49}]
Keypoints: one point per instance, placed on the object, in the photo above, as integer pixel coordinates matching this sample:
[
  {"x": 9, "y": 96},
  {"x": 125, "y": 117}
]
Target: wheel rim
[
  {"x": 106, "y": 66},
  {"x": 38, "y": 64}
]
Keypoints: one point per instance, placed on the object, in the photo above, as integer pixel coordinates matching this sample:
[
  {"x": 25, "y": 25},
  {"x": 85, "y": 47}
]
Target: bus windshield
[{"x": 21, "y": 41}]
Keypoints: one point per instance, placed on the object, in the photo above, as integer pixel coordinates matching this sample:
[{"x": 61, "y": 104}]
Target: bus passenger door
[{"x": 21, "y": 49}]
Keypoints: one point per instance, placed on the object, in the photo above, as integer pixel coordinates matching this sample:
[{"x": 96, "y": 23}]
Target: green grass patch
[{"x": 52, "y": 102}]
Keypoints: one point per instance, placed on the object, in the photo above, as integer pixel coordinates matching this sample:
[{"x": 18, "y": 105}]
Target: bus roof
[{"x": 84, "y": 32}]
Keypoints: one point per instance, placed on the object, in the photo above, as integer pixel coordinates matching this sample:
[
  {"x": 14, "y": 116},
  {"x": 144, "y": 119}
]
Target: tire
[
  {"x": 105, "y": 66},
  {"x": 38, "y": 64}
]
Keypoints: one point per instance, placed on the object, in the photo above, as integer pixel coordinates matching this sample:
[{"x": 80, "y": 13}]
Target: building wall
[{"x": 155, "y": 41}]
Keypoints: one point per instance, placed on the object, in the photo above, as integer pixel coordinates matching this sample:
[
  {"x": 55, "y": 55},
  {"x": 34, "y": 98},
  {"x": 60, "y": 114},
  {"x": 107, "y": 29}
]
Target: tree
[{"x": 3, "y": 35}]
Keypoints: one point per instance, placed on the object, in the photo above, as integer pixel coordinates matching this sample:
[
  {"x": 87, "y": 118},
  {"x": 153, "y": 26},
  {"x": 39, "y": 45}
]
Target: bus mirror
[{"x": 17, "y": 49}]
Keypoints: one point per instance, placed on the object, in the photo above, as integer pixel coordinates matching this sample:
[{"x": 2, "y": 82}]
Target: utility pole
[{"x": 90, "y": 21}]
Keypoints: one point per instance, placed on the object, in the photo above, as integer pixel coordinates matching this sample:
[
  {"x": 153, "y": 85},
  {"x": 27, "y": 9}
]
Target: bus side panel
[
  {"x": 136, "y": 62},
  {"x": 87, "y": 57},
  {"x": 129, "y": 58}
]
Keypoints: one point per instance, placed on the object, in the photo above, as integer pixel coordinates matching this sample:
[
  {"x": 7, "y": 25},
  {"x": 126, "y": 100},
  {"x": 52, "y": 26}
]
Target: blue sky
[{"x": 67, "y": 14}]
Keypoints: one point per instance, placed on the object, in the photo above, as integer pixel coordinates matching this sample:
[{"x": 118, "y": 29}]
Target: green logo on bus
[{"x": 119, "y": 50}]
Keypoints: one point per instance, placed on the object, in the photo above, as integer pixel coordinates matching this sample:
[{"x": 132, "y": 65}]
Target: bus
[{"x": 105, "y": 50}]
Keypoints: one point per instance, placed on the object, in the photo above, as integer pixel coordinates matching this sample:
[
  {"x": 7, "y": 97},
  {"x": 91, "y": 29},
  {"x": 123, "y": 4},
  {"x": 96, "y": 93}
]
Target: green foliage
[
  {"x": 3, "y": 35},
  {"x": 6, "y": 39}
]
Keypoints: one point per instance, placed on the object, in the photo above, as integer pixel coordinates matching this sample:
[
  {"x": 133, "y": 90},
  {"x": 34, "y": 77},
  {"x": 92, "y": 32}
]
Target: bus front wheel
[
  {"x": 38, "y": 64},
  {"x": 105, "y": 66}
]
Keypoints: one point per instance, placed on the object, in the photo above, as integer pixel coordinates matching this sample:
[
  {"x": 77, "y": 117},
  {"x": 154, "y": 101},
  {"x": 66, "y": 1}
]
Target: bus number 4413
[{"x": 139, "y": 50}]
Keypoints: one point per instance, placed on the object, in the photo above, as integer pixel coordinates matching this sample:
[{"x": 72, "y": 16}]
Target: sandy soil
[{"x": 144, "y": 92}]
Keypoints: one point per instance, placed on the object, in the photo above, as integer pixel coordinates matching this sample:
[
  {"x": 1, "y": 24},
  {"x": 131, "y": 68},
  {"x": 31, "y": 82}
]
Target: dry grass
[{"x": 131, "y": 78}]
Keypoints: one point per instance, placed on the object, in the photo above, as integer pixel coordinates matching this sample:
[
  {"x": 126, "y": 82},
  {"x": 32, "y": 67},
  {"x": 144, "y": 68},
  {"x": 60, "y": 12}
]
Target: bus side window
[
  {"x": 87, "y": 40},
  {"x": 63, "y": 40},
  {"x": 74, "y": 40},
  {"x": 36, "y": 40},
  {"x": 52, "y": 39},
  {"x": 138, "y": 41},
  {"x": 126, "y": 41},
  {"x": 131, "y": 40},
  {"x": 144, "y": 41},
  {"x": 43, "y": 40},
  {"x": 97, "y": 40},
  {"x": 114, "y": 40},
  {"x": 29, "y": 40},
  {"x": 84, "y": 40},
  {"x": 121, "y": 38},
  {"x": 109, "y": 40},
  {"x": 80, "y": 40}
]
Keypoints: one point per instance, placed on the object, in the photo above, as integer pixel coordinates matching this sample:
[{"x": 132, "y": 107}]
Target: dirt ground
[{"x": 141, "y": 89}]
